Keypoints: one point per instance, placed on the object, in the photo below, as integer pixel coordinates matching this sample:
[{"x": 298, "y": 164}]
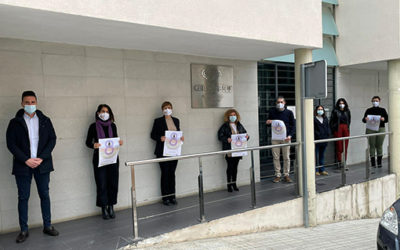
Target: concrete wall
[
  {"x": 358, "y": 86},
  {"x": 299, "y": 22},
  {"x": 358, "y": 201},
  {"x": 71, "y": 81},
  {"x": 369, "y": 31}
]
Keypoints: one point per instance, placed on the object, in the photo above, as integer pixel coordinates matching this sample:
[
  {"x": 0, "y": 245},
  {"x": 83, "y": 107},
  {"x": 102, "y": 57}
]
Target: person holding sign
[
  {"x": 106, "y": 176},
  {"x": 375, "y": 118},
  {"x": 283, "y": 127},
  {"x": 167, "y": 125},
  {"x": 230, "y": 128},
  {"x": 340, "y": 126}
]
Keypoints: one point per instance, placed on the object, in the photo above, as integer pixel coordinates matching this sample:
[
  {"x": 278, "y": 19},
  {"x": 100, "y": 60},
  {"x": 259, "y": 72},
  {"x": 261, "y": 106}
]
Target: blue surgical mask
[
  {"x": 30, "y": 109},
  {"x": 375, "y": 104},
  {"x": 320, "y": 112},
  {"x": 232, "y": 118}
]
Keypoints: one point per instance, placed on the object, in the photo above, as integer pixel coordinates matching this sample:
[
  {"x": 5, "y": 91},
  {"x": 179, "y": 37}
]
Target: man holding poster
[
  {"x": 283, "y": 127},
  {"x": 166, "y": 132},
  {"x": 375, "y": 118}
]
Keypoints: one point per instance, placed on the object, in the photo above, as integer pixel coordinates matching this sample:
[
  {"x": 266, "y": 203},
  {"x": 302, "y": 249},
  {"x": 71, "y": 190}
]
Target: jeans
[
  {"x": 320, "y": 155},
  {"x": 24, "y": 190}
]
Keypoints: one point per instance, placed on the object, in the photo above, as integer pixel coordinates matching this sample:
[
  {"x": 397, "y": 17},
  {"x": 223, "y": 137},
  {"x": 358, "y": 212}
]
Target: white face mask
[
  {"x": 280, "y": 105},
  {"x": 167, "y": 111},
  {"x": 341, "y": 106},
  {"x": 375, "y": 104},
  {"x": 104, "y": 116}
]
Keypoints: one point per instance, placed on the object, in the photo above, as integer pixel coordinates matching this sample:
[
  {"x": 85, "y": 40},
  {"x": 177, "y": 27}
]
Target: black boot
[
  {"x": 111, "y": 212},
  {"x": 104, "y": 213},
  {"x": 373, "y": 162},
  {"x": 230, "y": 188},
  {"x": 235, "y": 187},
  {"x": 379, "y": 161}
]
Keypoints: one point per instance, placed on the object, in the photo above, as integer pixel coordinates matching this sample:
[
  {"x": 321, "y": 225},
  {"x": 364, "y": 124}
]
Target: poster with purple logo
[
  {"x": 173, "y": 143},
  {"x": 108, "y": 151},
  {"x": 278, "y": 130},
  {"x": 239, "y": 141},
  {"x": 373, "y": 122}
]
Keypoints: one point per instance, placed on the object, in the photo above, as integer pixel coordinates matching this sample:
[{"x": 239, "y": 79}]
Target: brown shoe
[
  {"x": 287, "y": 179},
  {"x": 317, "y": 173},
  {"x": 276, "y": 180},
  {"x": 324, "y": 173}
]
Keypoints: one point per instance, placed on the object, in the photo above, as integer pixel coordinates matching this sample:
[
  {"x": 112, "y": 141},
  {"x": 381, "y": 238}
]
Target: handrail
[
  {"x": 141, "y": 162},
  {"x": 351, "y": 137}
]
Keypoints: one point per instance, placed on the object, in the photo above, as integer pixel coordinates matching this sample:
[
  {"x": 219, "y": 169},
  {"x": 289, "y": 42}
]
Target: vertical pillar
[
  {"x": 394, "y": 119},
  {"x": 304, "y": 56}
]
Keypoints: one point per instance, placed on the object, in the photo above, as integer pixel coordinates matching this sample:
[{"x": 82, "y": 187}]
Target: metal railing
[
  {"x": 344, "y": 167},
  {"x": 202, "y": 218}
]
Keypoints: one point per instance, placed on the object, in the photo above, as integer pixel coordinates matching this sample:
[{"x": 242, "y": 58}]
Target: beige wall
[
  {"x": 358, "y": 86},
  {"x": 71, "y": 81},
  {"x": 290, "y": 22},
  {"x": 368, "y": 31}
]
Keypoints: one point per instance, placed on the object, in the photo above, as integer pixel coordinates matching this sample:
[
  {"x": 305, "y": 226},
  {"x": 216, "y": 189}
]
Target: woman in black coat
[
  {"x": 231, "y": 126},
  {"x": 162, "y": 124},
  {"x": 340, "y": 126},
  {"x": 321, "y": 131},
  {"x": 106, "y": 177}
]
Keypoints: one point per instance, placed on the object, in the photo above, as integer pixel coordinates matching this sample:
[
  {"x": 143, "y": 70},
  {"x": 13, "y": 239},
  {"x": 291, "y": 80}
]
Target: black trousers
[
  {"x": 231, "y": 171},
  {"x": 24, "y": 190},
  {"x": 168, "y": 179},
  {"x": 107, "y": 184}
]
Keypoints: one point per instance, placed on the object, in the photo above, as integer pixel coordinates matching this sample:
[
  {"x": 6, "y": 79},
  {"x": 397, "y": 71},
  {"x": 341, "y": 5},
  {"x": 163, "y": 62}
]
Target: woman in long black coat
[{"x": 106, "y": 177}]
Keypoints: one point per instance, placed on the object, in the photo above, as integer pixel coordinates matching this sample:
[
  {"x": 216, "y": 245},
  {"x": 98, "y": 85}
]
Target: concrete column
[
  {"x": 394, "y": 119},
  {"x": 304, "y": 56}
]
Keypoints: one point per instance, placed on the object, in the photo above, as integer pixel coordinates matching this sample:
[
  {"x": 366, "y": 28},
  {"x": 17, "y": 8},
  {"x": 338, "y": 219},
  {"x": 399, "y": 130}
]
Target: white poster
[
  {"x": 239, "y": 141},
  {"x": 278, "y": 129},
  {"x": 108, "y": 151},
  {"x": 173, "y": 143},
  {"x": 373, "y": 122}
]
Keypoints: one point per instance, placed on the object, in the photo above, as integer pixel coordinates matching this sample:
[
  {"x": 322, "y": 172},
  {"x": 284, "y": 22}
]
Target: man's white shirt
[{"x": 33, "y": 130}]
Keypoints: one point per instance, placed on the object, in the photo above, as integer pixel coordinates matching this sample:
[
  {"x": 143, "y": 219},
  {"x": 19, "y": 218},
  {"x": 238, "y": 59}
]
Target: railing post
[
  {"x": 388, "y": 152},
  {"x": 367, "y": 163},
  {"x": 134, "y": 211},
  {"x": 296, "y": 169},
  {"x": 201, "y": 193},
  {"x": 253, "y": 182},
  {"x": 344, "y": 163}
]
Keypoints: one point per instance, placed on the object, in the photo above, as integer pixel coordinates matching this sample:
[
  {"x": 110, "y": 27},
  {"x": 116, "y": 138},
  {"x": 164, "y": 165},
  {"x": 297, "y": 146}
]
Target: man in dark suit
[
  {"x": 162, "y": 124},
  {"x": 31, "y": 139}
]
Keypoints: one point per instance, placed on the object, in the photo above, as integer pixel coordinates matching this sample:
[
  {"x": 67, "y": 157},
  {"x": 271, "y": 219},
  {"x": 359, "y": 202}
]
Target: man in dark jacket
[
  {"x": 286, "y": 116},
  {"x": 31, "y": 139}
]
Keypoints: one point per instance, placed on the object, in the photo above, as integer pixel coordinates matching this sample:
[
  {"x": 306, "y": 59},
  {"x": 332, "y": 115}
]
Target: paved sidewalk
[{"x": 358, "y": 234}]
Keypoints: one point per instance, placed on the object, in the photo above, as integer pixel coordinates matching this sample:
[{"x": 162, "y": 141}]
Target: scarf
[{"x": 100, "y": 131}]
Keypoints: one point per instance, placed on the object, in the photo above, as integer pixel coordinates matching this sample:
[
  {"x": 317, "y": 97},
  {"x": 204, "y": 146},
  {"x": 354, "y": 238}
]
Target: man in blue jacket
[
  {"x": 286, "y": 116},
  {"x": 31, "y": 139}
]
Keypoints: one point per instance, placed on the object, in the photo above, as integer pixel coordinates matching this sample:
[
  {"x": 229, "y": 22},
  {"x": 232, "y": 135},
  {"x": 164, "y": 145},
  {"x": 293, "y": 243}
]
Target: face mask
[
  {"x": 167, "y": 111},
  {"x": 320, "y": 112},
  {"x": 104, "y": 116},
  {"x": 30, "y": 109},
  {"x": 341, "y": 106},
  {"x": 280, "y": 106},
  {"x": 375, "y": 104},
  {"x": 232, "y": 118}
]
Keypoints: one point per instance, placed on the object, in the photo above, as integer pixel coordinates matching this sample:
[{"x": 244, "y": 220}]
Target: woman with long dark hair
[
  {"x": 321, "y": 131},
  {"x": 106, "y": 177},
  {"x": 340, "y": 126}
]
